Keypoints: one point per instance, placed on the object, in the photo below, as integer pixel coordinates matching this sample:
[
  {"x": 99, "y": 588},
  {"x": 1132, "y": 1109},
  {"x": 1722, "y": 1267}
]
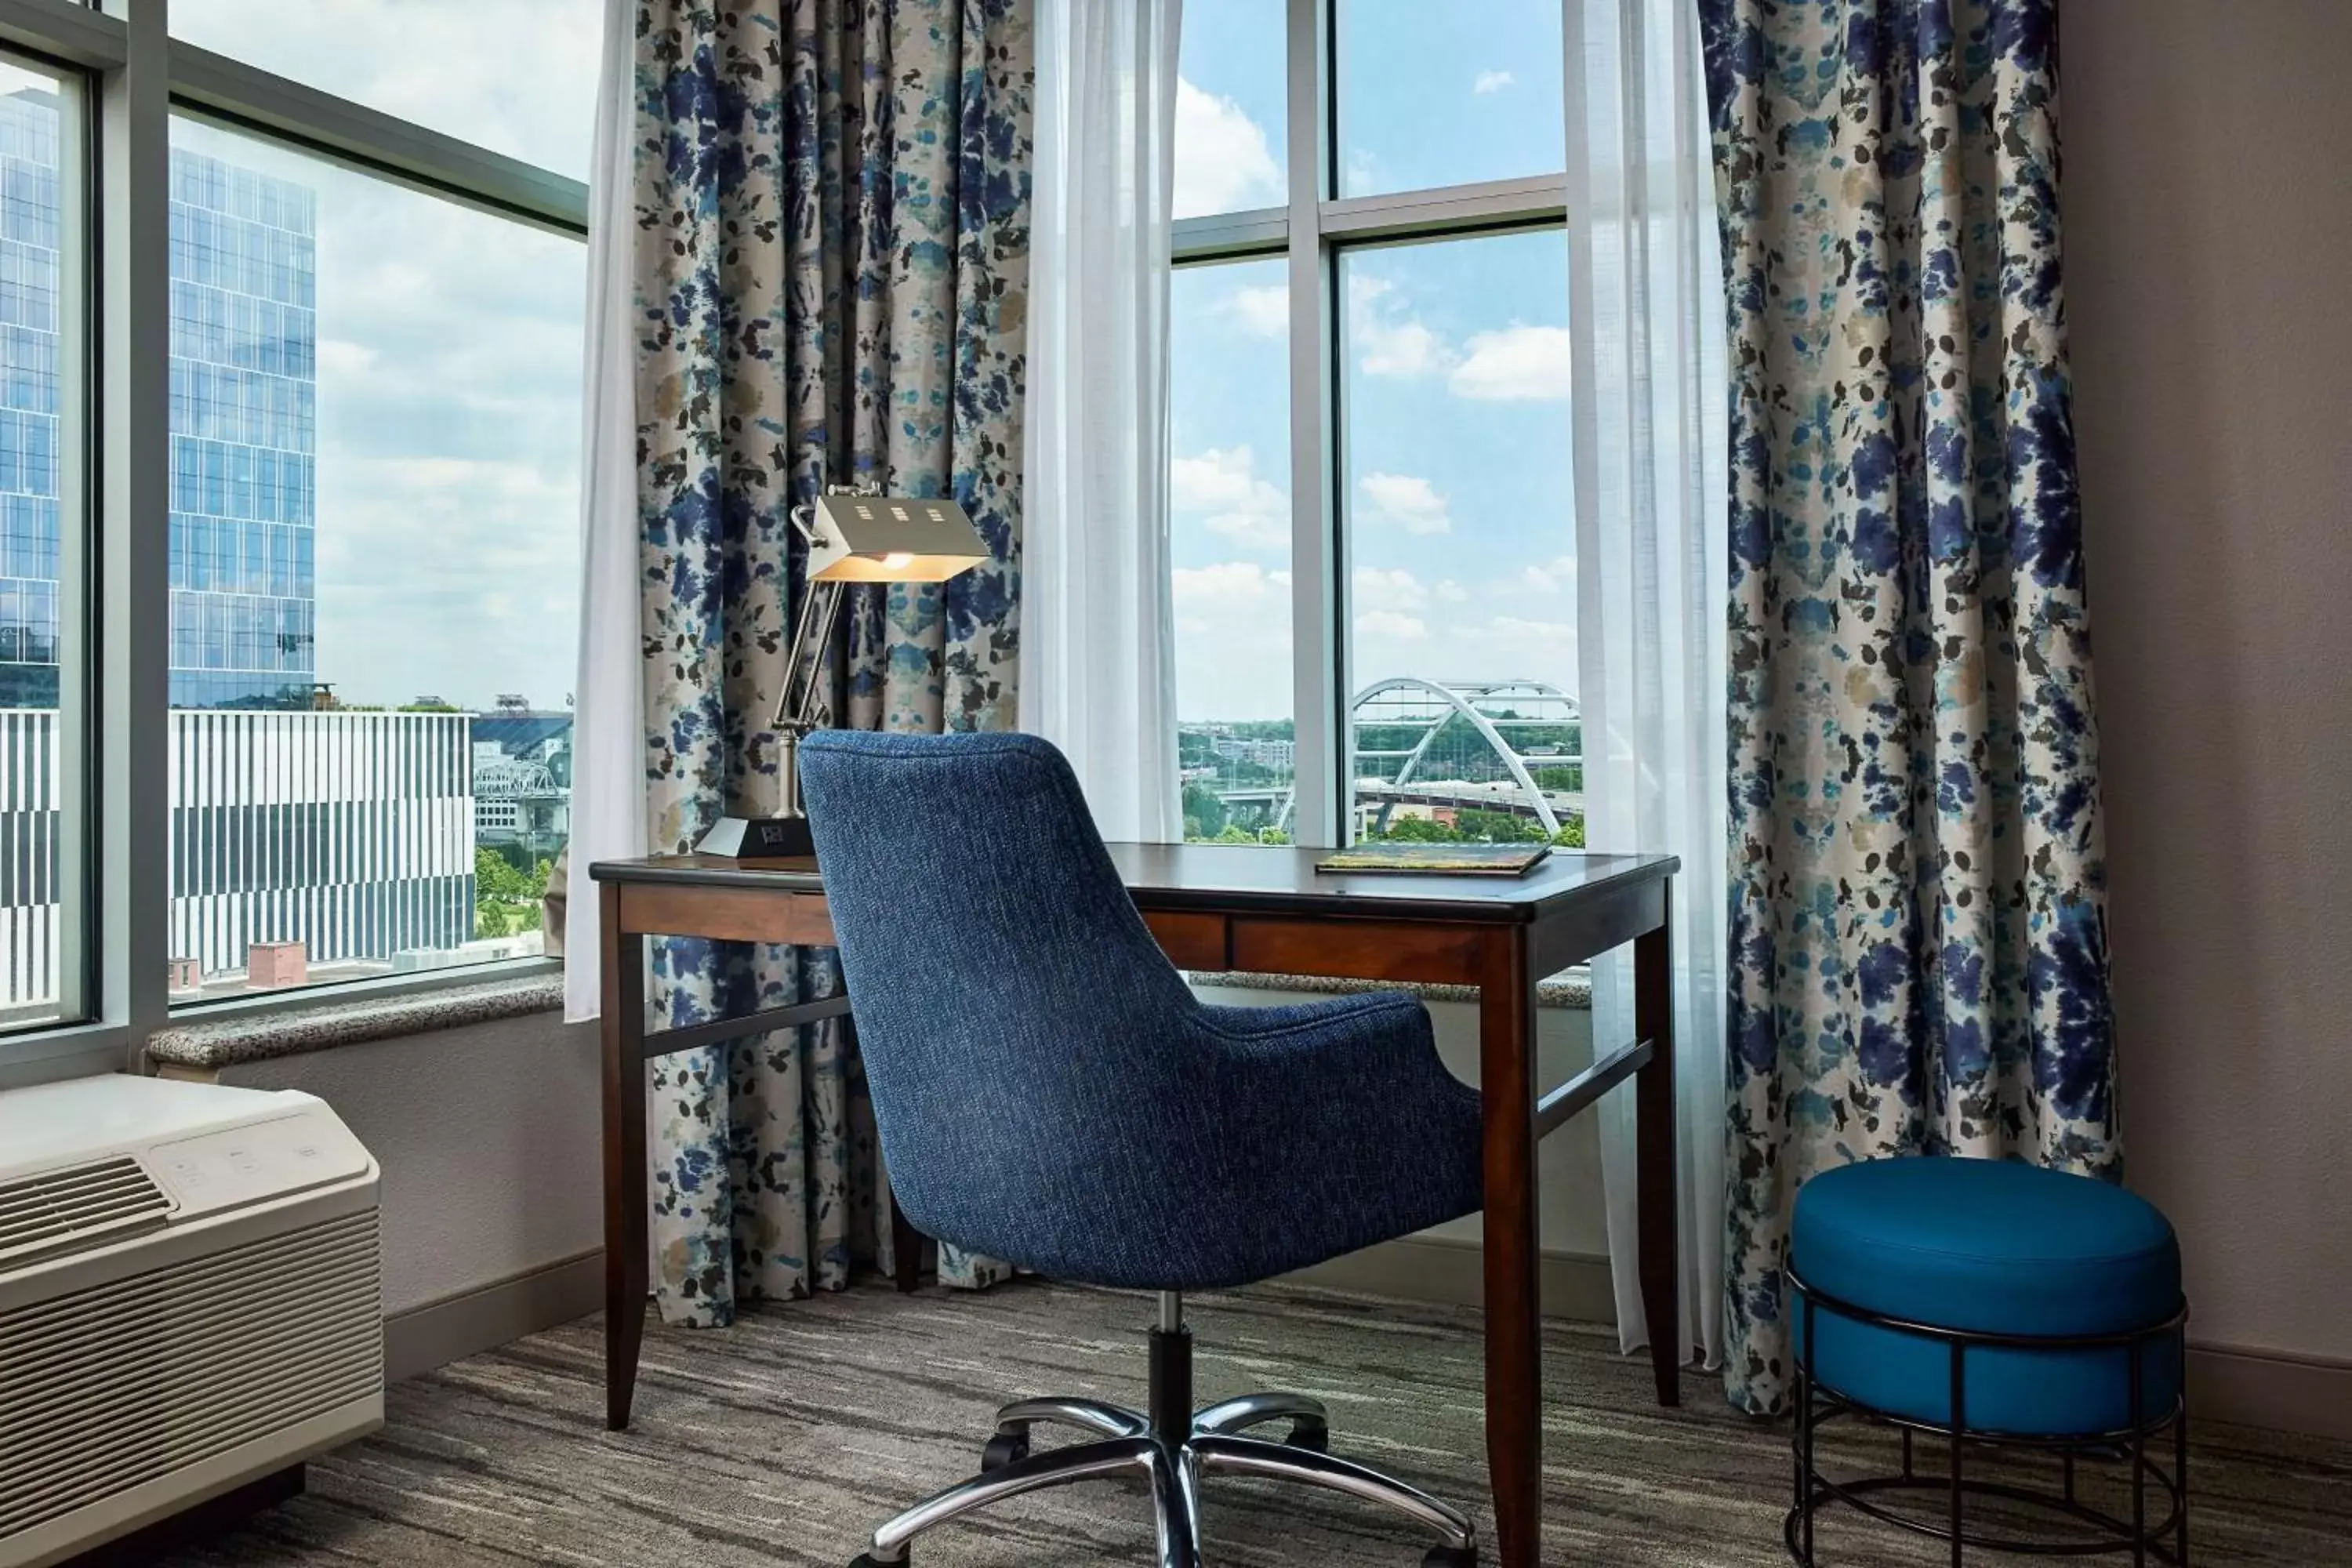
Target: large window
[
  {"x": 290, "y": 706},
  {"x": 1375, "y": 586},
  {"x": 45, "y": 624}
]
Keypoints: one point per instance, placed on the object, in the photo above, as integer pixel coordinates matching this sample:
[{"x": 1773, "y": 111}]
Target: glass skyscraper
[{"x": 242, "y": 426}]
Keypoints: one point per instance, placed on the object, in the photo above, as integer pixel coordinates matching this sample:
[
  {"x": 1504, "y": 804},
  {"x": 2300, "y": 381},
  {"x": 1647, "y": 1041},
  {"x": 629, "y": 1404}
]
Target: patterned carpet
[{"x": 786, "y": 1438}]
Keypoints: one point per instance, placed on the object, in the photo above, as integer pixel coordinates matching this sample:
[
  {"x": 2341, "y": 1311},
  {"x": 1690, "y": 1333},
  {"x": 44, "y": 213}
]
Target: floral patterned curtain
[
  {"x": 1918, "y": 949},
  {"x": 831, "y": 263}
]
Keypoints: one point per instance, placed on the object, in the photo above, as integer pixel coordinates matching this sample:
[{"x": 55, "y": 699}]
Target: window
[
  {"x": 1376, "y": 409},
  {"x": 1229, "y": 498},
  {"x": 518, "y": 77},
  {"x": 323, "y": 708},
  {"x": 1230, "y": 155},
  {"x": 46, "y": 703},
  {"x": 1427, "y": 98}
]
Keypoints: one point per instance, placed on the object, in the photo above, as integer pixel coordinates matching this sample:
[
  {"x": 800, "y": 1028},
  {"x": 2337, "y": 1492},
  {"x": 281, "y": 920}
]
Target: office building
[{"x": 244, "y": 396}]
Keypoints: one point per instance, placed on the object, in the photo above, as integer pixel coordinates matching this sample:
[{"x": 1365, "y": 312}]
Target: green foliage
[
  {"x": 1204, "y": 815},
  {"x": 1570, "y": 835},
  {"x": 1234, "y": 833},
  {"x": 506, "y": 896},
  {"x": 1558, "y": 778}
]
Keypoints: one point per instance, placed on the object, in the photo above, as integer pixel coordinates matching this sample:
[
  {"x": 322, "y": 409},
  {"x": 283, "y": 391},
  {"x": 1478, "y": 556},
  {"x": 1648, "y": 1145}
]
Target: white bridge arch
[
  {"x": 1492, "y": 708},
  {"x": 1407, "y": 700}
]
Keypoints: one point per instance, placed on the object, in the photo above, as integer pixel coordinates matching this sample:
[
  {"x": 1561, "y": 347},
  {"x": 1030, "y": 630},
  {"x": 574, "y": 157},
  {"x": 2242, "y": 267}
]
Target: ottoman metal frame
[{"x": 2103, "y": 1532}]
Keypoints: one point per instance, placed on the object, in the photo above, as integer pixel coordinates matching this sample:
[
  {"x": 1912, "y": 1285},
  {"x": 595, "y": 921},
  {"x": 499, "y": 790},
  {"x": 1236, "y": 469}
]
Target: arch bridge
[{"x": 1495, "y": 711}]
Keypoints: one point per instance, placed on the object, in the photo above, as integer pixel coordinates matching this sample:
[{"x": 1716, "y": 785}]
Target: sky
[
  {"x": 1453, "y": 381},
  {"x": 449, "y": 344}
]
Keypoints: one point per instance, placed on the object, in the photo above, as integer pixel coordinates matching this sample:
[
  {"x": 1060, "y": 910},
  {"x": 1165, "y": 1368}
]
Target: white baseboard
[
  {"x": 1433, "y": 1269},
  {"x": 439, "y": 1332}
]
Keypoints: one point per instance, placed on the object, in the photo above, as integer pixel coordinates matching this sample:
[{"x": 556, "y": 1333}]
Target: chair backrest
[{"x": 1018, "y": 1022}]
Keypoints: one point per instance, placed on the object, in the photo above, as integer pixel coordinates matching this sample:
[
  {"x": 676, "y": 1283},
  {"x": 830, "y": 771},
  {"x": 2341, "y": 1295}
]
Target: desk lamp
[{"x": 853, "y": 536}]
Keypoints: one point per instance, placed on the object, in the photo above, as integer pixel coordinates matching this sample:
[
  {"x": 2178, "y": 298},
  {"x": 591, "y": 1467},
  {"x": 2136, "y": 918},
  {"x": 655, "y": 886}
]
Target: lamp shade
[{"x": 892, "y": 538}]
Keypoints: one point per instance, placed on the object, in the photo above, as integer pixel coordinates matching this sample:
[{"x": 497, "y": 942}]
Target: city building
[
  {"x": 244, "y": 395},
  {"x": 350, "y": 834}
]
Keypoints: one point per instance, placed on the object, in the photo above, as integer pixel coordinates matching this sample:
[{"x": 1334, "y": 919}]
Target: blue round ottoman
[{"x": 1987, "y": 1300}]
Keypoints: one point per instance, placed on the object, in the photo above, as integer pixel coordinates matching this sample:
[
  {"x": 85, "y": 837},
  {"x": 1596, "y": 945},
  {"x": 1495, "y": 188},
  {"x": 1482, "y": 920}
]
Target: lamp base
[{"x": 759, "y": 839}]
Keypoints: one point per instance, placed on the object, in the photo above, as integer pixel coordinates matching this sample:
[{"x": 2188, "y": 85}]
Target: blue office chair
[{"x": 1048, "y": 1091}]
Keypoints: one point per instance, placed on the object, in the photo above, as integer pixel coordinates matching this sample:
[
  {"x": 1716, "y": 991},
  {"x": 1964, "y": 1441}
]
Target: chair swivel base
[{"x": 1171, "y": 1455}]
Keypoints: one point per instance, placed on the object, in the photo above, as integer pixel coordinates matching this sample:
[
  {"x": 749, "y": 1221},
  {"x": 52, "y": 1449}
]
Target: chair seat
[{"x": 1994, "y": 1248}]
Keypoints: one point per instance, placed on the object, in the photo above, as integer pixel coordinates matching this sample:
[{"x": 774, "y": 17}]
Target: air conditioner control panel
[{"x": 257, "y": 1162}]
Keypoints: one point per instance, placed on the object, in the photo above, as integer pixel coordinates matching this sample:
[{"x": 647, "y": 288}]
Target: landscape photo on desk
[{"x": 1439, "y": 860}]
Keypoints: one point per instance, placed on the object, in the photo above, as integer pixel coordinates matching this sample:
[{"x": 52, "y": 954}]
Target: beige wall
[
  {"x": 489, "y": 1140},
  {"x": 2209, "y": 231}
]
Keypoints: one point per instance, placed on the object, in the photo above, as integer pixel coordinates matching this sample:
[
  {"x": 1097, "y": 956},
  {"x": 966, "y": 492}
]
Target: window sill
[
  {"x": 1571, "y": 988},
  {"x": 292, "y": 1025}
]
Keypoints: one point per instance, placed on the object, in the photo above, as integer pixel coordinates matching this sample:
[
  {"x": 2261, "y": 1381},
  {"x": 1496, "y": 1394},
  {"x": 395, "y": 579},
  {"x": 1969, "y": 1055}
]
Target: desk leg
[
  {"x": 625, "y": 1283},
  {"x": 1657, "y": 1172},
  {"x": 1507, "y": 1048}
]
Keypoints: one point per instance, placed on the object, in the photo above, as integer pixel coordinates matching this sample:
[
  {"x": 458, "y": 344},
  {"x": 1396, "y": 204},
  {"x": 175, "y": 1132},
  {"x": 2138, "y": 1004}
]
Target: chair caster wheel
[
  {"x": 867, "y": 1560},
  {"x": 1313, "y": 1437},
  {"x": 1004, "y": 1448},
  {"x": 1451, "y": 1557}
]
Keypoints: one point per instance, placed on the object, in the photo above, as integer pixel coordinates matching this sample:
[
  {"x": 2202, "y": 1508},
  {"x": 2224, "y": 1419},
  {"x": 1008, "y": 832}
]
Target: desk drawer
[
  {"x": 1191, "y": 940},
  {"x": 729, "y": 914}
]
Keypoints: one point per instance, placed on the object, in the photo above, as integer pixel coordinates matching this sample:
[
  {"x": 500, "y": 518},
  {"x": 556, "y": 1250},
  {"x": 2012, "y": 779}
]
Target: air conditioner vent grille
[
  {"x": 107, "y": 1388},
  {"x": 79, "y": 1206}
]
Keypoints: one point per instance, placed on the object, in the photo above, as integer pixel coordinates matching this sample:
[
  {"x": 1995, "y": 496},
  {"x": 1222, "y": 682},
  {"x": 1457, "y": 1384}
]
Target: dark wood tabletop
[{"x": 1271, "y": 878}]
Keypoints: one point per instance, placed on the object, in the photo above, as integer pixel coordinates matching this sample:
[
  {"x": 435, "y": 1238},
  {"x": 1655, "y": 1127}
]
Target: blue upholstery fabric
[
  {"x": 1047, "y": 1089},
  {"x": 1995, "y": 1246}
]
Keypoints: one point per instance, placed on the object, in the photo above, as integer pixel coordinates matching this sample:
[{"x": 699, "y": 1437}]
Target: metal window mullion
[
  {"x": 1316, "y": 650},
  {"x": 1491, "y": 207},
  {"x": 134, "y": 520},
  {"x": 375, "y": 142},
  {"x": 75, "y": 732},
  {"x": 66, "y": 31}
]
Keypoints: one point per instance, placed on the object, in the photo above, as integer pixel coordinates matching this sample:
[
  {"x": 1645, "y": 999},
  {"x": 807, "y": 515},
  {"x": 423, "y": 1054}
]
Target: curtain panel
[
  {"x": 1917, "y": 946},
  {"x": 830, "y": 260},
  {"x": 1645, "y": 293}
]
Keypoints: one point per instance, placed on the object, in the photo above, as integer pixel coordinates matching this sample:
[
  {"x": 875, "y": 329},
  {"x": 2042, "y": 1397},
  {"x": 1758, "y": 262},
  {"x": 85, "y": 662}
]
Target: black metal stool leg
[
  {"x": 1959, "y": 1424},
  {"x": 2139, "y": 1465},
  {"x": 2180, "y": 1480}
]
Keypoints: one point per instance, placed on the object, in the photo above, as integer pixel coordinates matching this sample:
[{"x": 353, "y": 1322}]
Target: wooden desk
[{"x": 1262, "y": 908}]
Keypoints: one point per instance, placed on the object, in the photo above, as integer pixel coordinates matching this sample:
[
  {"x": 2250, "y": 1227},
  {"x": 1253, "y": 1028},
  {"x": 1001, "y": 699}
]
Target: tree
[
  {"x": 506, "y": 896},
  {"x": 1204, "y": 814}
]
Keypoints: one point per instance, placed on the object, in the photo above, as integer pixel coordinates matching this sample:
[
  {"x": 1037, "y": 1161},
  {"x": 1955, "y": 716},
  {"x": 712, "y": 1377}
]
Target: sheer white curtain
[
  {"x": 1649, "y": 397},
  {"x": 608, "y": 741},
  {"x": 1098, "y": 672}
]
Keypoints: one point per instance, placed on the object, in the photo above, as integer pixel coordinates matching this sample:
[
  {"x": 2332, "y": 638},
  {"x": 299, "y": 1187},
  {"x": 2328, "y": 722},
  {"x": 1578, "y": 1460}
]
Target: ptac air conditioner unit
[{"x": 189, "y": 1300}]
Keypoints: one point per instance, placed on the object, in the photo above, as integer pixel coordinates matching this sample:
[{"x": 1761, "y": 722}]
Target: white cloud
[
  {"x": 1395, "y": 589},
  {"x": 1388, "y": 338},
  {"x": 1520, "y": 647},
  {"x": 1516, "y": 364},
  {"x": 1452, "y": 592},
  {"x": 1492, "y": 81},
  {"x": 1223, "y": 162},
  {"x": 1391, "y": 625},
  {"x": 1233, "y": 641},
  {"x": 1557, "y": 575},
  {"x": 1224, "y": 484},
  {"x": 449, "y": 64},
  {"x": 1263, "y": 311},
  {"x": 1406, "y": 501}
]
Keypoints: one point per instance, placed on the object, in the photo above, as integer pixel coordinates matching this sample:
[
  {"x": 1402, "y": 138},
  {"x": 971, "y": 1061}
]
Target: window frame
[
  {"x": 1312, "y": 230},
  {"x": 135, "y": 79}
]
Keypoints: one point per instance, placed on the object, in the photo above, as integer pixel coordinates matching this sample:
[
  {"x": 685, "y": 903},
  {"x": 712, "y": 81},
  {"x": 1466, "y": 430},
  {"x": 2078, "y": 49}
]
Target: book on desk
[{"x": 1439, "y": 860}]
